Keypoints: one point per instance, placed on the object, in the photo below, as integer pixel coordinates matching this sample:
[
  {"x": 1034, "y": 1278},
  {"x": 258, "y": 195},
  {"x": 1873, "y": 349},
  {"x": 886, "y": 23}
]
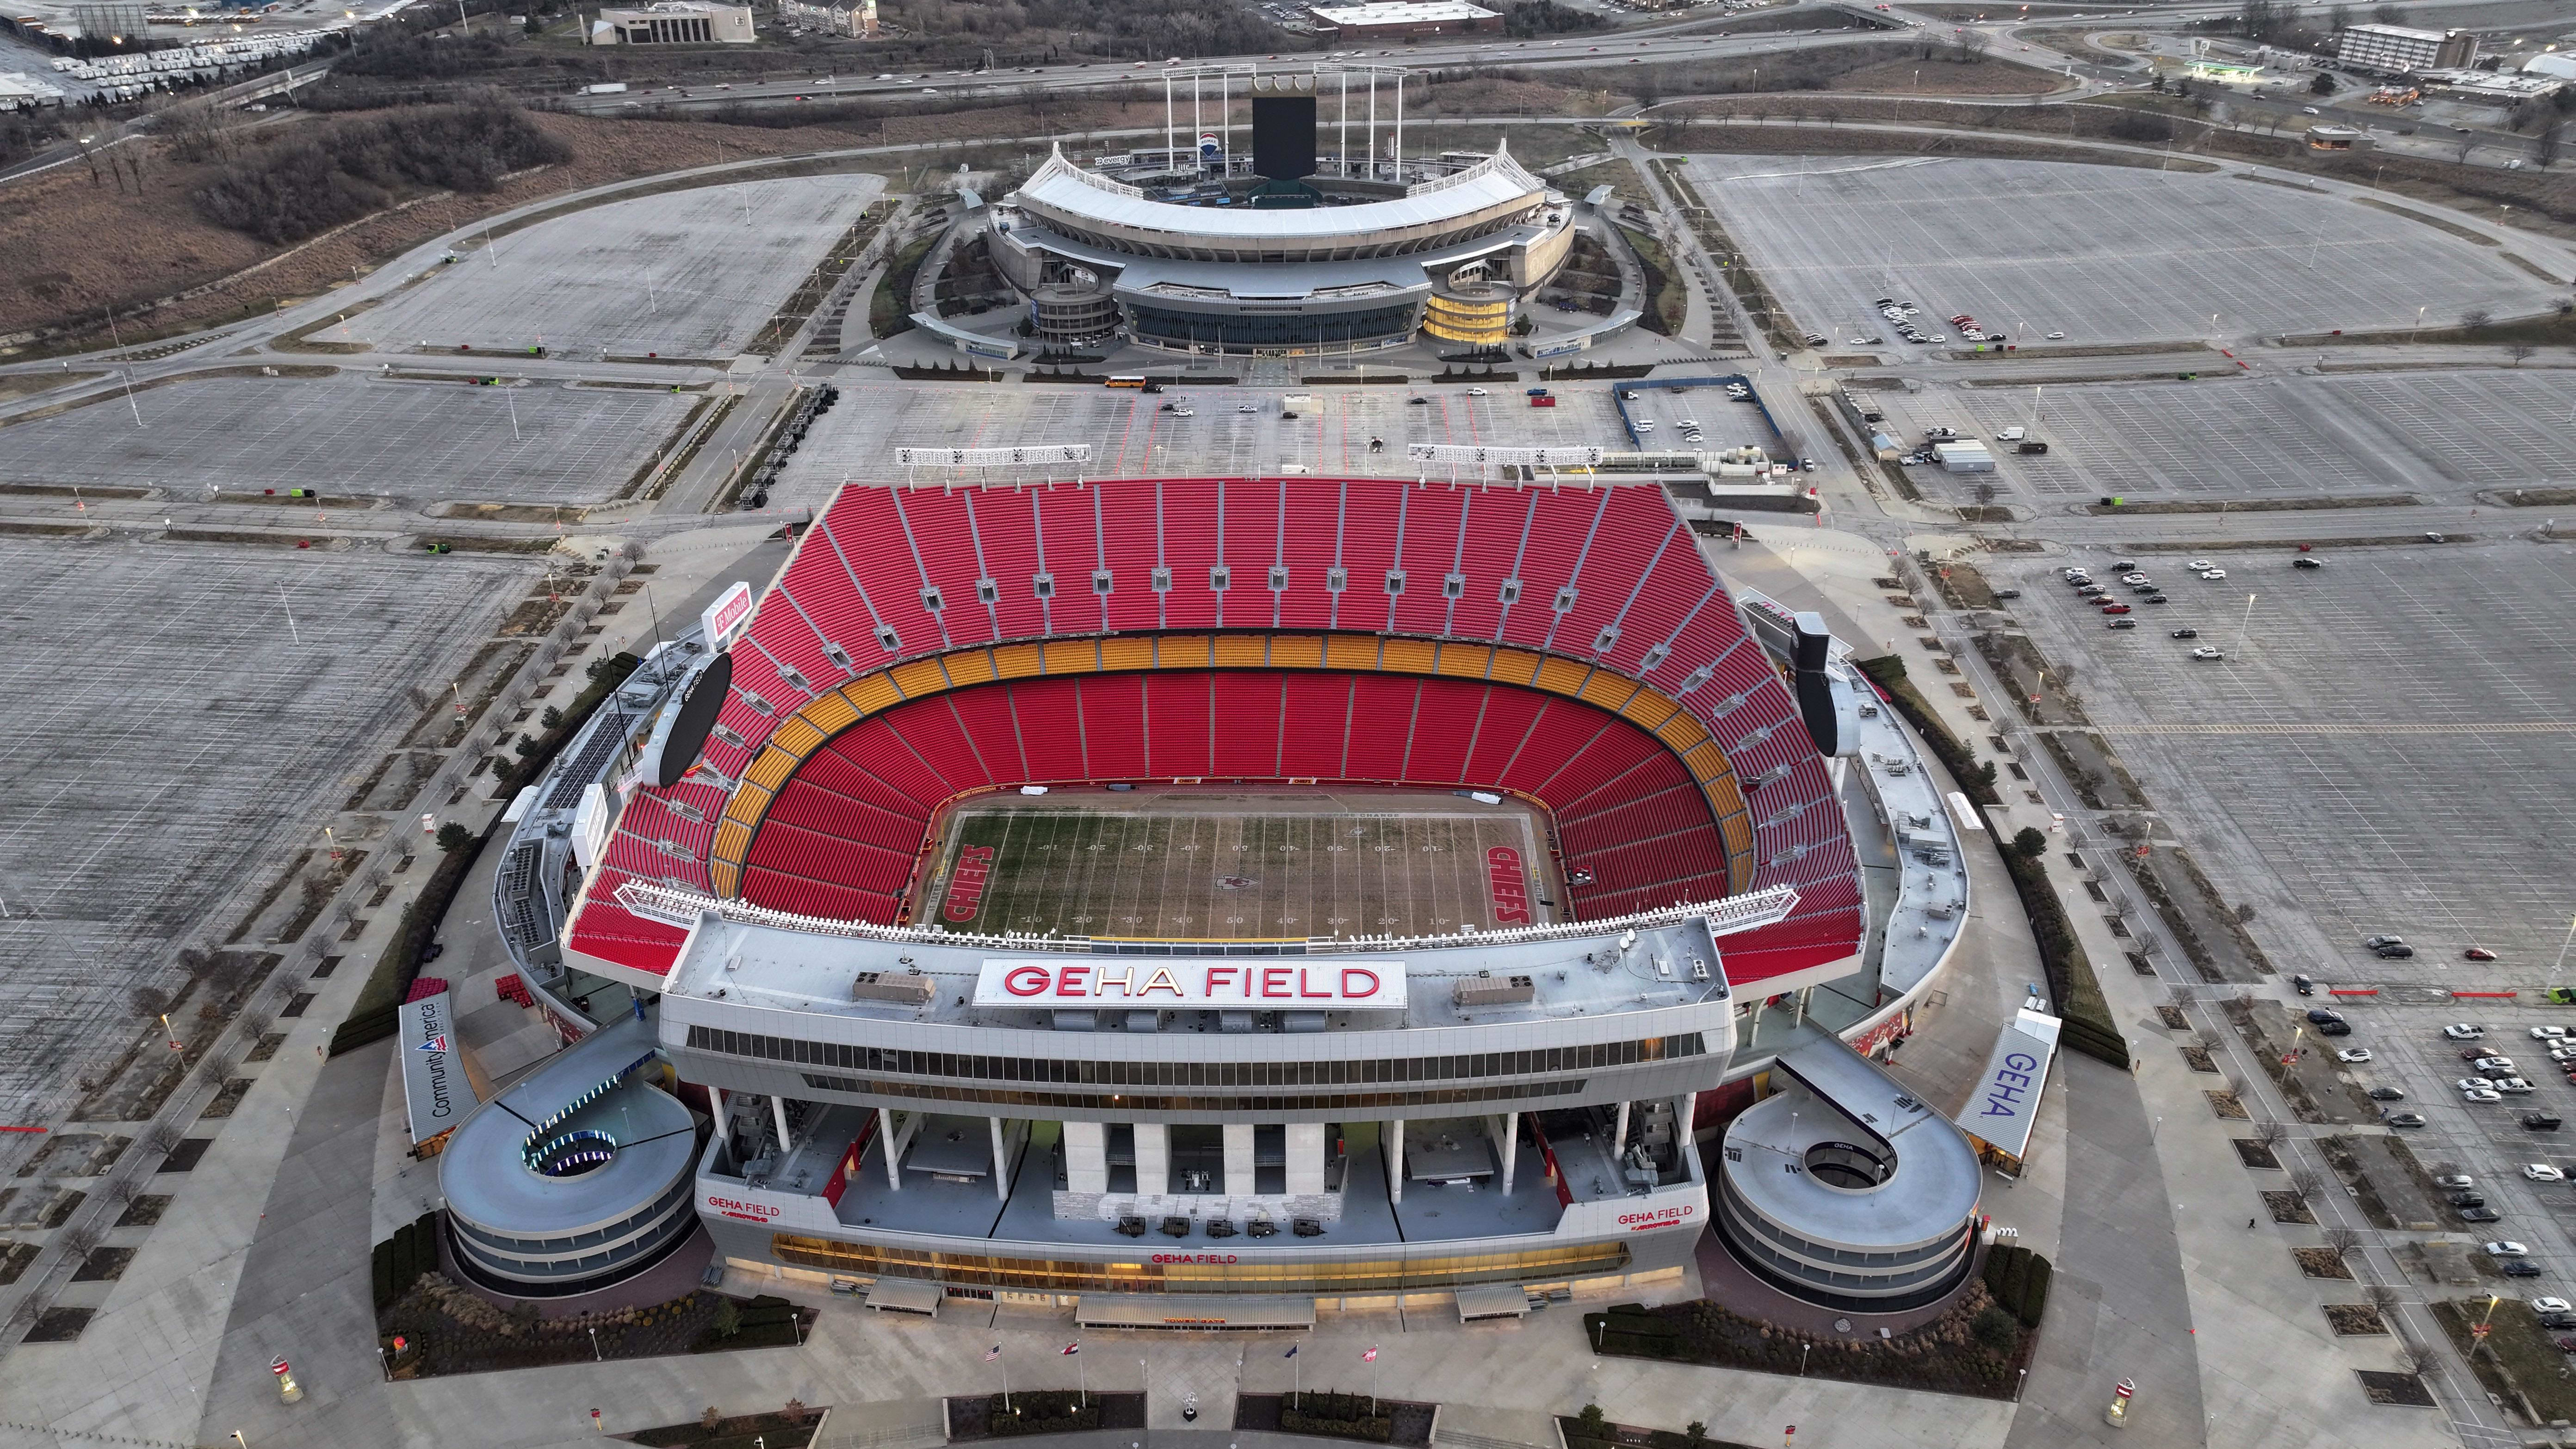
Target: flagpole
[{"x": 1006, "y": 1385}]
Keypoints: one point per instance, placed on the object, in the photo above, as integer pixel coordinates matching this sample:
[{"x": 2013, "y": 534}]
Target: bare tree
[
  {"x": 2519, "y": 352},
  {"x": 148, "y": 1000},
  {"x": 162, "y": 1138},
  {"x": 2178, "y": 994},
  {"x": 2420, "y": 1358},
  {"x": 2476, "y": 317},
  {"x": 2381, "y": 1295},
  {"x": 2272, "y": 1134},
  {"x": 77, "y": 1241},
  {"x": 2341, "y": 1241},
  {"x": 2305, "y": 1183}
]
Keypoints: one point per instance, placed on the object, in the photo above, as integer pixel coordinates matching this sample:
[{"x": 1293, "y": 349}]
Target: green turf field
[{"x": 1220, "y": 876}]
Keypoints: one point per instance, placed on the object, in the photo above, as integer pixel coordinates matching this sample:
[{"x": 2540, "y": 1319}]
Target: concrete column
[
  {"x": 1507, "y": 1130},
  {"x": 1086, "y": 1157},
  {"x": 1001, "y": 1163},
  {"x": 1395, "y": 1160},
  {"x": 892, "y": 1146},
  {"x": 1153, "y": 1158},
  {"x": 786, "y": 1144},
  {"x": 1239, "y": 1180},
  {"x": 1803, "y": 993},
  {"x": 1619, "y": 1138},
  {"x": 1305, "y": 1158},
  {"x": 716, "y": 1095}
]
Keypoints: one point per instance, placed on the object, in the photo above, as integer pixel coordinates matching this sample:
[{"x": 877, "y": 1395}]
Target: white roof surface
[
  {"x": 1066, "y": 187},
  {"x": 1401, "y": 12}
]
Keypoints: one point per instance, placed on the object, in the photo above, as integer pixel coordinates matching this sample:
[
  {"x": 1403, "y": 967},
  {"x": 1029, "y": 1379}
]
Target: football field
[{"x": 1210, "y": 875}]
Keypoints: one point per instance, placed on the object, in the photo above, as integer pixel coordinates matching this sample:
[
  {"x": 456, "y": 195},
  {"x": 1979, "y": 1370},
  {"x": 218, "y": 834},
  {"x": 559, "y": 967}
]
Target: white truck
[{"x": 605, "y": 88}]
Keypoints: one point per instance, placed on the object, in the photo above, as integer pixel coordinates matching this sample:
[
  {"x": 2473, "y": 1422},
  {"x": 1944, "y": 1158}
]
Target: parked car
[
  {"x": 2475, "y": 1084},
  {"x": 2303, "y": 985},
  {"x": 2507, "y": 1248},
  {"x": 2513, "y": 1086},
  {"x": 2399, "y": 952},
  {"x": 2521, "y": 1268},
  {"x": 2304, "y": 561},
  {"x": 2001, "y": 594},
  {"x": 2401, "y": 1119},
  {"x": 2386, "y": 1094},
  {"x": 2115, "y": 609},
  {"x": 2186, "y": 633},
  {"x": 2375, "y": 942},
  {"x": 2547, "y": 1033},
  {"x": 2480, "y": 1215},
  {"x": 2122, "y": 623},
  {"x": 2319, "y": 1016},
  {"x": 2457, "y": 1179},
  {"x": 2335, "y": 1028},
  {"x": 2482, "y": 1096},
  {"x": 2464, "y": 1031},
  {"x": 2213, "y": 574},
  {"x": 2477, "y": 953},
  {"x": 2552, "y": 1305},
  {"x": 2464, "y": 1199},
  {"x": 2492, "y": 1066},
  {"x": 2204, "y": 652},
  {"x": 2540, "y": 1121},
  {"x": 2542, "y": 1172}
]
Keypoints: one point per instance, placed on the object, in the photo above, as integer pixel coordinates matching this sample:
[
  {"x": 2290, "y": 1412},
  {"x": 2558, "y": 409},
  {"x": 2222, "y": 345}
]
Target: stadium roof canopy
[{"x": 1496, "y": 182}]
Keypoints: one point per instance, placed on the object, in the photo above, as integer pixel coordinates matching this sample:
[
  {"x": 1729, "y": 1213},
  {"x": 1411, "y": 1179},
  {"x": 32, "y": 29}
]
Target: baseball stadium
[{"x": 1260, "y": 890}]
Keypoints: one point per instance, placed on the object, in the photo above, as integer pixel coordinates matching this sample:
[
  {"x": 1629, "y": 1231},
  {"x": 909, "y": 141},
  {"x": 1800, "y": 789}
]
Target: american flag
[
  {"x": 992, "y": 1353},
  {"x": 1071, "y": 1348}
]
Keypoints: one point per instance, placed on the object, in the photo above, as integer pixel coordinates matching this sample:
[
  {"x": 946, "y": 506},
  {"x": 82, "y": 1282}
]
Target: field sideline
[{"x": 1233, "y": 876}]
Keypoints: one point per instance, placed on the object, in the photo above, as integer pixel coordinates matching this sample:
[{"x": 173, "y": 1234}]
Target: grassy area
[
  {"x": 1617, "y": 171},
  {"x": 2519, "y": 1361},
  {"x": 890, "y": 309},
  {"x": 1666, "y": 300}
]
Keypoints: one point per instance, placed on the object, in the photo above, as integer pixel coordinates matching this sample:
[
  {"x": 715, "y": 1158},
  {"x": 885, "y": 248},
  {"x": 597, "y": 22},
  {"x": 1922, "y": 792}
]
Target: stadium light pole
[
  {"x": 2245, "y": 623},
  {"x": 2570, "y": 941}
]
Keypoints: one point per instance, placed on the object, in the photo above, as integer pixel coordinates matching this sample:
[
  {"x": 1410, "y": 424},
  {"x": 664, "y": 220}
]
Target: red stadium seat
[{"x": 1606, "y": 576}]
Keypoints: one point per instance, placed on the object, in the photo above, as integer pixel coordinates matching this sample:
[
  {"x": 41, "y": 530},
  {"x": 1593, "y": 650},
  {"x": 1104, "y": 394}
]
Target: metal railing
[{"x": 684, "y": 908}]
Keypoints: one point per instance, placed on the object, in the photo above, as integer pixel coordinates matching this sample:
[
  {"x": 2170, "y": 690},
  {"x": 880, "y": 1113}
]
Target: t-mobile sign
[{"x": 1270, "y": 983}]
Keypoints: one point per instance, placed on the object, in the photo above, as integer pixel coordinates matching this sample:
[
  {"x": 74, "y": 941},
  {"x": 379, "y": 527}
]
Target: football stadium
[{"x": 1264, "y": 890}]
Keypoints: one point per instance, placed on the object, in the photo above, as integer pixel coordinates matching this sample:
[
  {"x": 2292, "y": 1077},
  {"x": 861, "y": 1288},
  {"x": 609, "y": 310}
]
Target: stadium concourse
[{"x": 1569, "y": 646}]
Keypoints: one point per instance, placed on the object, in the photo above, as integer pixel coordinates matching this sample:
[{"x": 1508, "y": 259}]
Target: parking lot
[
  {"x": 353, "y": 435},
  {"x": 1665, "y": 417},
  {"x": 2385, "y": 751},
  {"x": 2438, "y": 435},
  {"x": 172, "y": 738},
  {"x": 2102, "y": 253},
  {"x": 685, "y": 274},
  {"x": 1130, "y": 433},
  {"x": 2384, "y": 748}
]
